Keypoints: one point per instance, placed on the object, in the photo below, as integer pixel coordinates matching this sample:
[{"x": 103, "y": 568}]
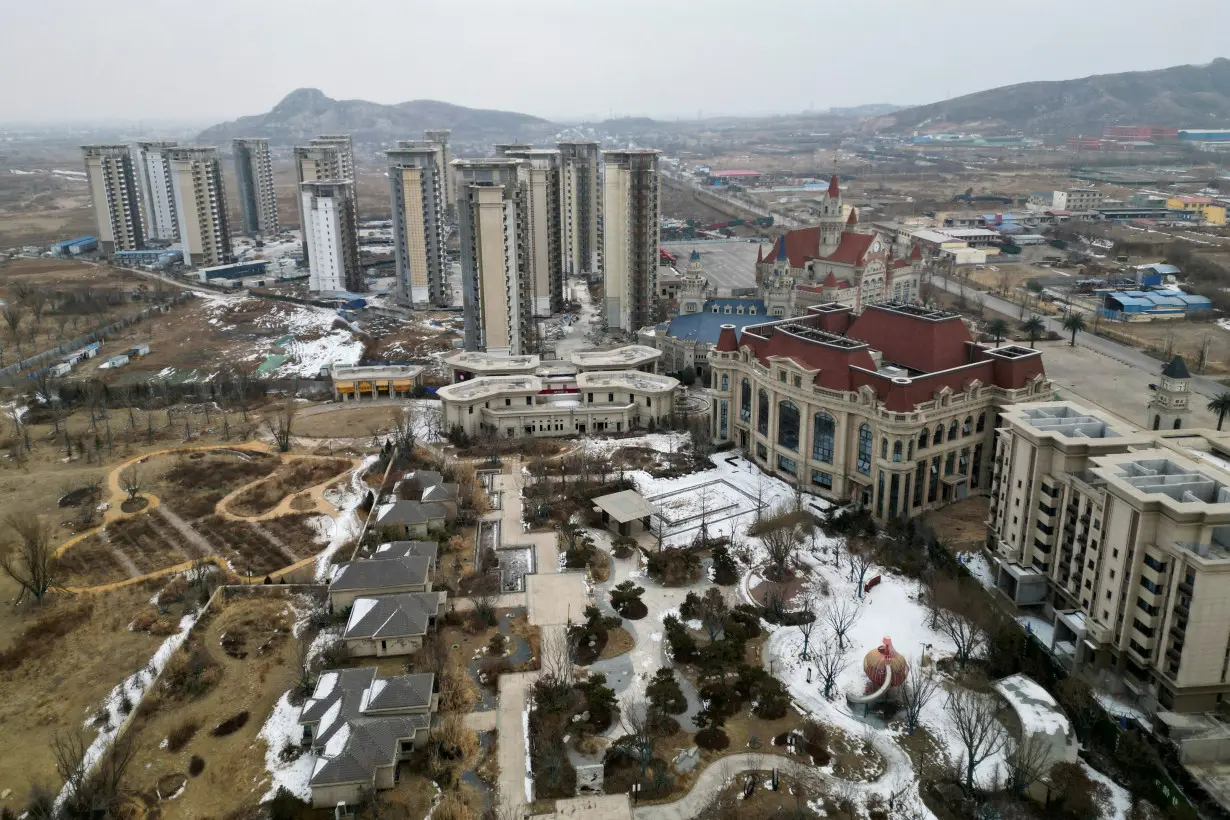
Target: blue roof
[
  {"x": 706, "y": 326},
  {"x": 1158, "y": 267},
  {"x": 1129, "y": 301}
]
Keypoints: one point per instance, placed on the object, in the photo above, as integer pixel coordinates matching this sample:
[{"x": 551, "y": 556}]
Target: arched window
[
  {"x": 884, "y": 448},
  {"x": 762, "y": 412},
  {"x": 1157, "y": 422},
  {"x": 725, "y": 382},
  {"x": 982, "y": 422},
  {"x": 922, "y": 439},
  {"x": 863, "y": 465},
  {"x": 967, "y": 426},
  {"x": 745, "y": 401},
  {"x": 825, "y": 428},
  {"x": 911, "y": 455},
  {"x": 952, "y": 430},
  {"x": 939, "y": 434},
  {"x": 1177, "y": 422},
  {"x": 788, "y": 425},
  {"x": 896, "y": 451}
]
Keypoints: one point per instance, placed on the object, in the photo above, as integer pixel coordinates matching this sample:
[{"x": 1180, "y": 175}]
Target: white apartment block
[
  {"x": 417, "y": 185},
  {"x": 330, "y": 235},
  {"x": 318, "y": 162},
  {"x": 200, "y": 206},
  {"x": 1077, "y": 199},
  {"x": 257, "y": 199},
  {"x": 157, "y": 193},
  {"x": 491, "y": 223},
  {"x": 539, "y": 176},
  {"x": 580, "y": 208},
  {"x": 630, "y": 211},
  {"x": 593, "y": 392},
  {"x": 114, "y": 193},
  {"x": 1122, "y": 539}
]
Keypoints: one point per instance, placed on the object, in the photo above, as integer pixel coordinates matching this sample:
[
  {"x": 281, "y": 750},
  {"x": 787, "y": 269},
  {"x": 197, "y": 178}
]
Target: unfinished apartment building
[
  {"x": 539, "y": 175},
  {"x": 1122, "y": 540},
  {"x": 417, "y": 183},
  {"x": 581, "y": 207}
]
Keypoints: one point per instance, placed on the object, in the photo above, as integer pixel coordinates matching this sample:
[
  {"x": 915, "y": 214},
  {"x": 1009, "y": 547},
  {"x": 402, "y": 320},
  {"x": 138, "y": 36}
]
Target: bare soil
[{"x": 290, "y": 478}]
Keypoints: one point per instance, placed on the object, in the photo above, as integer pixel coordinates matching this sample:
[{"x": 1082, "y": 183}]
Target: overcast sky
[{"x": 219, "y": 59}]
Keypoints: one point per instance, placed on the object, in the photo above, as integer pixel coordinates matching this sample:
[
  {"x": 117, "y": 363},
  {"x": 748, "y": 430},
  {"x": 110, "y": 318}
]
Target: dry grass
[
  {"x": 618, "y": 641},
  {"x": 289, "y": 479}
]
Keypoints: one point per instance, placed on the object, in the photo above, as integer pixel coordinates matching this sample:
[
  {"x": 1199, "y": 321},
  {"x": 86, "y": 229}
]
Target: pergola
[{"x": 623, "y": 508}]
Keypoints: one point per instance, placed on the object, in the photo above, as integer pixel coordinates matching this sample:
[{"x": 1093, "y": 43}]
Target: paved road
[
  {"x": 708, "y": 784},
  {"x": 1203, "y": 385}
]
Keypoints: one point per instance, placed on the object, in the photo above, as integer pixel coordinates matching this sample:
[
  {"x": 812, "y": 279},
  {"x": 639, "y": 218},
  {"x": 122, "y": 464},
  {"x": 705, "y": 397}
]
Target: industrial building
[
  {"x": 418, "y": 183},
  {"x": 1202, "y": 208},
  {"x": 157, "y": 191},
  {"x": 75, "y": 247},
  {"x": 539, "y": 177},
  {"x": 631, "y": 208},
  {"x": 234, "y": 271},
  {"x": 200, "y": 205},
  {"x": 155, "y": 258},
  {"x": 581, "y": 207},
  {"x": 331, "y": 236},
  {"x": 257, "y": 198},
  {"x": 115, "y": 195},
  {"x": 1077, "y": 199},
  {"x": 1147, "y": 305}
]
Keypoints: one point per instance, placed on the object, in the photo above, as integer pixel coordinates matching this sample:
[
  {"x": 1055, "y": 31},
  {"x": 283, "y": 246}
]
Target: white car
[{"x": 994, "y": 268}]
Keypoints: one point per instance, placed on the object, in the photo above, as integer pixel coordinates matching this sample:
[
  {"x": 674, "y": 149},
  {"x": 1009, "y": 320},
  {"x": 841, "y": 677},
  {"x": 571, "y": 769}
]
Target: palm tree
[
  {"x": 997, "y": 328},
  {"x": 1220, "y": 406},
  {"x": 1075, "y": 322},
  {"x": 1035, "y": 327}
]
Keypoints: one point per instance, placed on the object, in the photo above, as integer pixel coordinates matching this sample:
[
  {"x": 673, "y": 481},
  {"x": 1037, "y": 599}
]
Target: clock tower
[{"x": 1171, "y": 402}]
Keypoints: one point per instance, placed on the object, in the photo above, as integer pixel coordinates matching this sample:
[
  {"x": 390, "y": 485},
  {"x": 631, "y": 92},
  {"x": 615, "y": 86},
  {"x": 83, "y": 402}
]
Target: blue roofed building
[{"x": 1147, "y": 305}]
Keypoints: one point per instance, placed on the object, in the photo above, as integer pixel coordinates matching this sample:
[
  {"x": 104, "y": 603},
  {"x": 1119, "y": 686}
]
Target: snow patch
[{"x": 282, "y": 728}]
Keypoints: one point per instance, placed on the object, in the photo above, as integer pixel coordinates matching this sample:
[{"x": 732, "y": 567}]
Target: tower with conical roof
[
  {"x": 831, "y": 222},
  {"x": 1171, "y": 403},
  {"x": 693, "y": 286}
]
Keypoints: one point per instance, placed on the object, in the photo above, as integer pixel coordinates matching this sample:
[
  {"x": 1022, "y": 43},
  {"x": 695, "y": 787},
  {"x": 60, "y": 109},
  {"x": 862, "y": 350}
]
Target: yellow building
[
  {"x": 1204, "y": 209},
  {"x": 353, "y": 382}
]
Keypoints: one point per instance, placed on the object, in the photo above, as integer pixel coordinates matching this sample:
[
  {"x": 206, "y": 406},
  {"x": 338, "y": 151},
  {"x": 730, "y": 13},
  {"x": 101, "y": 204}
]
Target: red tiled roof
[
  {"x": 916, "y": 251},
  {"x": 801, "y": 245},
  {"x": 834, "y": 363},
  {"x": 830, "y": 281},
  {"x": 727, "y": 341},
  {"x": 853, "y": 220},
  {"x": 918, "y": 343},
  {"x": 851, "y": 249},
  {"x": 900, "y": 263},
  {"x": 834, "y": 188}
]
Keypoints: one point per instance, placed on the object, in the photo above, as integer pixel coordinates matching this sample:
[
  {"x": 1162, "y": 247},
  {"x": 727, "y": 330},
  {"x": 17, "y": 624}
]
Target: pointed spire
[
  {"x": 695, "y": 257},
  {"x": 853, "y": 220},
  {"x": 781, "y": 249},
  {"x": 916, "y": 252},
  {"x": 759, "y": 253},
  {"x": 834, "y": 188}
]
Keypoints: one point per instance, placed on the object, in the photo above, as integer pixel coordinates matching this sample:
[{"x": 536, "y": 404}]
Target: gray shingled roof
[
  {"x": 1177, "y": 369},
  {"x": 441, "y": 492},
  {"x": 399, "y": 693},
  {"x": 401, "y": 549},
  {"x": 410, "y": 512},
  {"x": 335, "y": 700},
  {"x": 393, "y": 616},
  {"x": 368, "y": 574},
  {"x": 372, "y": 743}
]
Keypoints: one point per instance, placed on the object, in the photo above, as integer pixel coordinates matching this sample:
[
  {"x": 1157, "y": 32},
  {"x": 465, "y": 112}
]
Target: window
[
  {"x": 822, "y": 479},
  {"x": 716, "y": 309},
  {"x": 884, "y": 448},
  {"x": 739, "y": 310},
  {"x": 982, "y": 422},
  {"x": 470, "y": 410},
  {"x": 529, "y": 400},
  {"x": 939, "y": 434},
  {"x": 952, "y": 430},
  {"x": 864, "y": 450},
  {"x": 781, "y": 376},
  {"x": 787, "y": 465},
  {"x": 610, "y": 397},
  {"x": 762, "y": 452},
  {"x": 824, "y": 428},
  {"x": 788, "y": 425},
  {"x": 725, "y": 382},
  {"x": 967, "y": 426},
  {"x": 762, "y": 412},
  {"x": 896, "y": 451},
  {"x": 507, "y": 402},
  {"x": 590, "y": 400},
  {"x": 922, "y": 439},
  {"x": 1149, "y": 585},
  {"x": 751, "y": 310},
  {"x": 1154, "y": 564},
  {"x": 798, "y": 381},
  {"x": 722, "y": 422},
  {"x": 745, "y": 401},
  {"x": 949, "y": 462}
]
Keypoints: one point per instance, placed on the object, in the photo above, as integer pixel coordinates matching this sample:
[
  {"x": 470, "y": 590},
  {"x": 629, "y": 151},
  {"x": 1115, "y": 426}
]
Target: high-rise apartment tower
[
  {"x": 580, "y": 206},
  {"x": 539, "y": 176},
  {"x": 331, "y": 236},
  {"x": 157, "y": 196},
  {"x": 200, "y": 205},
  {"x": 444, "y": 138},
  {"x": 630, "y": 210},
  {"x": 417, "y": 184},
  {"x": 257, "y": 200},
  {"x": 114, "y": 192},
  {"x": 319, "y": 162}
]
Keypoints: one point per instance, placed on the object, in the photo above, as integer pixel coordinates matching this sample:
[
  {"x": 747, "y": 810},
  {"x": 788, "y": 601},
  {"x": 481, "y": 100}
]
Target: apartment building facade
[
  {"x": 539, "y": 177},
  {"x": 893, "y": 409},
  {"x": 631, "y": 207},
  {"x": 115, "y": 195},
  {"x": 257, "y": 199},
  {"x": 331, "y": 235},
  {"x": 444, "y": 138},
  {"x": 491, "y": 222},
  {"x": 200, "y": 206},
  {"x": 318, "y": 162},
  {"x": 157, "y": 194},
  {"x": 581, "y": 208},
  {"x": 1122, "y": 540},
  {"x": 417, "y": 184},
  {"x": 1077, "y": 199}
]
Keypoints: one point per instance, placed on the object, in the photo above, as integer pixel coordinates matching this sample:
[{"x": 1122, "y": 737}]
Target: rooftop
[
  {"x": 1069, "y": 421},
  {"x": 491, "y": 362},
  {"x": 631, "y": 379},
  {"x": 393, "y": 616},
  {"x": 489, "y": 386},
  {"x": 409, "y": 570},
  {"x": 625, "y": 506},
  {"x": 626, "y": 356},
  {"x": 375, "y": 372},
  {"x": 1038, "y": 711}
]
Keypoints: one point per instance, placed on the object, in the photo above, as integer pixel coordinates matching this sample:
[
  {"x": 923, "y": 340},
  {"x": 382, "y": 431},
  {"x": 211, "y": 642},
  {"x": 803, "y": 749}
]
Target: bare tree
[
  {"x": 861, "y": 562},
  {"x": 807, "y": 624},
  {"x": 841, "y": 614},
  {"x": 29, "y": 559},
  {"x": 639, "y": 735},
  {"x": 404, "y": 423},
  {"x": 965, "y": 633},
  {"x": 919, "y": 688},
  {"x": 282, "y": 423},
  {"x": 90, "y": 791},
  {"x": 713, "y": 612},
  {"x": 558, "y": 656},
  {"x": 1029, "y": 760},
  {"x": 779, "y": 543},
  {"x": 132, "y": 480},
  {"x": 831, "y": 660},
  {"x": 976, "y": 724}
]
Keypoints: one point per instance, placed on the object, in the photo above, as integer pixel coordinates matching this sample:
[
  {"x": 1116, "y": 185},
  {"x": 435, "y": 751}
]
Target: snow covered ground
[
  {"x": 347, "y": 524},
  {"x": 323, "y": 345}
]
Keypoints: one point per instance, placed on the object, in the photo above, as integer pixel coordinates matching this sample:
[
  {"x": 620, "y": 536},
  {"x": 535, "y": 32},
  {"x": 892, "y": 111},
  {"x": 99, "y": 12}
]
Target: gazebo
[{"x": 624, "y": 508}]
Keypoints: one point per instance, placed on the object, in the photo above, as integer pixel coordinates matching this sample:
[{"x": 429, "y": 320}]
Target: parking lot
[{"x": 728, "y": 265}]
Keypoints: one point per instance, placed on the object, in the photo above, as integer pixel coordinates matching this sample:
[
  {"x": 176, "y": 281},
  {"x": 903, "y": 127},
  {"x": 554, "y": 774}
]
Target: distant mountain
[
  {"x": 308, "y": 112},
  {"x": 1181, "y": 96},
  {"x": 867, "y": 110}
]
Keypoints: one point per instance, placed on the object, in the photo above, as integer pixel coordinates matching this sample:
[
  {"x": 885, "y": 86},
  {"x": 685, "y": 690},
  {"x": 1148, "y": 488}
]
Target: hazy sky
[{"x": 219, "y": 59}]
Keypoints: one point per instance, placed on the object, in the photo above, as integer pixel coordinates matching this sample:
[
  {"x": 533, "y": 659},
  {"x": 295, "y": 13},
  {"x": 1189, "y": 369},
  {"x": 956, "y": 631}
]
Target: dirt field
[
  {"x": 254, "y": 666},
  {"x": 961, "y": 525},
  {"x": 62, "y": 684},
  {"x": 290, "y": 478}
]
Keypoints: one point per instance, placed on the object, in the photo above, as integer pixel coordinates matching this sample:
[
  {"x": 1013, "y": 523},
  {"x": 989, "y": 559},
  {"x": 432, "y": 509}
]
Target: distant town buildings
[
  {"x": 257, "y": 199},
  {"x": 1077, "y": 199},
  {"x": 157, "y": 193},
  {"x": 418, "y": 183},
  {"x": 580, "y": 208},
  {"x": 200, "y": 205},
  {"x": 631, "y": 208},
  {"x": 331, "y": 236},
  {"x": 114, "y": 191}
]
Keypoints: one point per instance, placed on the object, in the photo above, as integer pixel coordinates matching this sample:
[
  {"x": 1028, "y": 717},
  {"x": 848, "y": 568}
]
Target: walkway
[{"x": 708, "y": 784}]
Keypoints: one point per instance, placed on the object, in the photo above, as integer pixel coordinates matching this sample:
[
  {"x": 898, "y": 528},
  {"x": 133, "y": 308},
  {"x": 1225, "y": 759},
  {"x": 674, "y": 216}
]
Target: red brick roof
[
  {"x": 727, "y": 341},
  {"x": 834, "y": 188},
  {"x": 851, "y": 249},
  {"x": 853, "y": 220},
  {"x": 801, "y": 245},
  {"x": 918, "y": 343},
  {"x": 916, "y": 251}
]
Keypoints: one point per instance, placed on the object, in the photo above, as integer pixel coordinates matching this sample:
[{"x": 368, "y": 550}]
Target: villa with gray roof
[
  {"x": 387, "y": 625},
  {"x": 412, "y": 519},
  {"x": 361, "y": 727},
  {"x": 406, "y": 549},
  {"x": 368, "y": 577}
]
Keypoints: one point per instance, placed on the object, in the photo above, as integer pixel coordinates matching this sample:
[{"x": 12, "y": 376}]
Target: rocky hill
[
  {"x": 307, "y": 112},
  {"x": 1186, "y": 96}
]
